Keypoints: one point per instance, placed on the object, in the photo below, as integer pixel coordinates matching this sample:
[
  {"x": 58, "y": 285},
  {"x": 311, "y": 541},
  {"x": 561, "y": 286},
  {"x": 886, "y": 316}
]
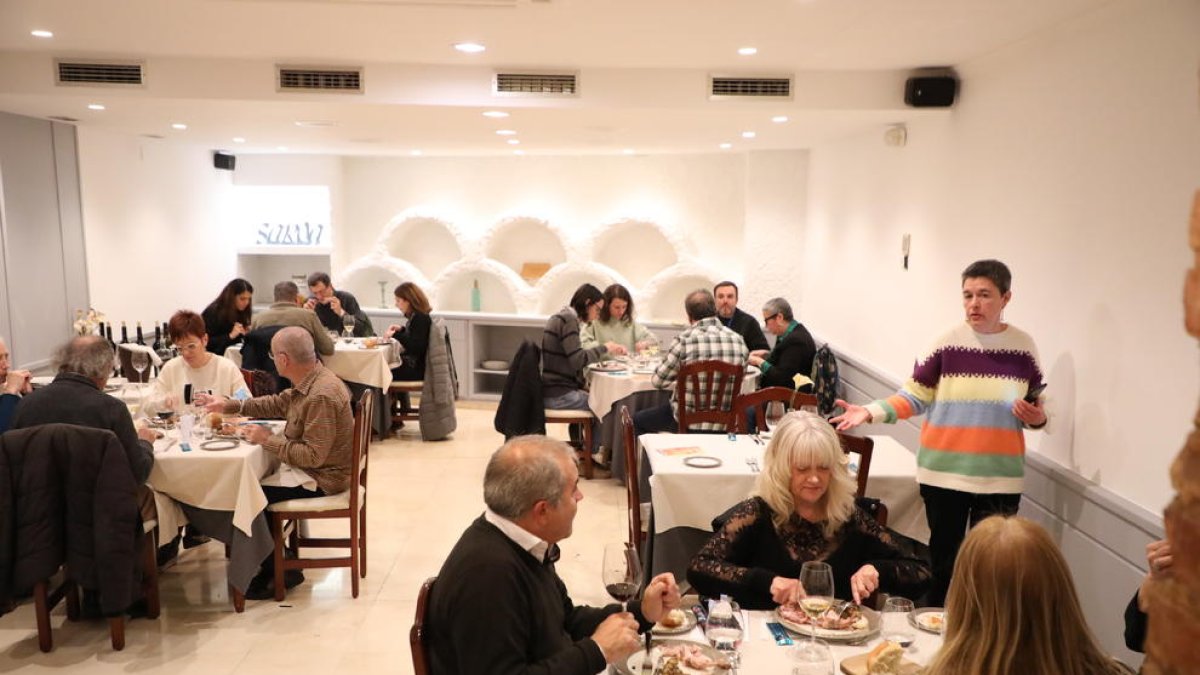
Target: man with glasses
[
  {"x": 794, "y": 349},
  {"x": 316, "y": 443},
  {"x": 14, "y": 383},
  {"x": 333, "y": 306}
]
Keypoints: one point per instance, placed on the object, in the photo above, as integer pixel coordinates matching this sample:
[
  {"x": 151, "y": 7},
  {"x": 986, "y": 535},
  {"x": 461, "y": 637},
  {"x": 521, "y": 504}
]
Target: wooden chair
[
  {"x": 633, "y": 497},
  {"x": 584, "y": 419},
  {"x": 864, "y": 447},
  {"x": 418, "y": 635},
  {"x": 260, "y": 382},
  {"x": 352, "y": 504},
  {"x": 756, "y": 402},
  {"x": 45, "y": 600},
  {"x": 711, "y": 387},
  {"x": 393, "y": 398}
]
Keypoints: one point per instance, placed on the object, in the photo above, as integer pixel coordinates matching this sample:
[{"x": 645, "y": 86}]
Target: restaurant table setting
[
  {"x": 367, "y": 361},
  {"x": 690, "y": 479}
]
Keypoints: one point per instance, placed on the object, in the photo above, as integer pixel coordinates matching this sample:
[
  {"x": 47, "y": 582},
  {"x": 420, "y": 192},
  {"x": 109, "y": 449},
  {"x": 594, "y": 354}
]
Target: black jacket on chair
[
  {"x": 256, "y": 354},
  {"x": 521, "y": 410},
  {"x": 67, "y": 496}
]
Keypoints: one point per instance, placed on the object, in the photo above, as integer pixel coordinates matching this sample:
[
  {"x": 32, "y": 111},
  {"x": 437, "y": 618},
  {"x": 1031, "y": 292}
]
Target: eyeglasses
[
  {"x": 191, "y": 347},
  {"x": 767, "y": 319}
]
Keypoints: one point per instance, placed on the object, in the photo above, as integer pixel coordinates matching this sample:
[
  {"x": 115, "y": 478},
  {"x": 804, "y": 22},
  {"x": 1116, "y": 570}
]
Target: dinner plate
[
  {"x": 921, "y": 618},
  {"x": 218, "y": 444},
  {"x": 873, "y": 625},
  {"x": 689, "y": 622},
  {"x": 609, "y": 367},
  {"x": 702, "y": 462},
  {"x": 633, "y": 664}
]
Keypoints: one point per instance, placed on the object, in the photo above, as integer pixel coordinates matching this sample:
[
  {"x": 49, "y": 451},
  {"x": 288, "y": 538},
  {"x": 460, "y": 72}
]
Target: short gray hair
[
  {"x": 297, "y": 343},
  {"x": 700, "y": 304},
  {"x": 523, "y": 472},
  {"x": 90, "y": 356},
  {"x": 286, "y": 291},
  {"x": 778, "y": 306}
]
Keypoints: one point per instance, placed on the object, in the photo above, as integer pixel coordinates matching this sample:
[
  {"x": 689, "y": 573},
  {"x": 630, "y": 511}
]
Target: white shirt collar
[{"x": 522, "y": 537}]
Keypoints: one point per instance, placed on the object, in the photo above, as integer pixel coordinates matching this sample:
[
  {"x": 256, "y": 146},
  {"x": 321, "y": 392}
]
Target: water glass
[
  {"x": 895, "y": 621},
  {"x": 724, "y": 628},
  {"x": 773, "y": 414},
  {"x": 811, "y": 658}
]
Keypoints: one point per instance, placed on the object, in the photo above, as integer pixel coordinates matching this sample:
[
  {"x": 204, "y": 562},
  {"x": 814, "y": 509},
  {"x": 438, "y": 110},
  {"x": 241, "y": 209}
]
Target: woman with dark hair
[
  {"x": 615, "y": 323},
  {"x": 227, "y": 319},
  {"x": 414, "y": 335},
  {"x": 563, "y": 356}
]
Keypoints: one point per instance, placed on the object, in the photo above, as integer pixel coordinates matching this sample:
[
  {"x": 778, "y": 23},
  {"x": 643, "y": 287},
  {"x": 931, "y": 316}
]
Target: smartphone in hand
[{"x": 1032, "y": 395}]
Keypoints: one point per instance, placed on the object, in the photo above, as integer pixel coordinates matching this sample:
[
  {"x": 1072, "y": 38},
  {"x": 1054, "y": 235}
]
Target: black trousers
[{"x": 948, "y": 513}]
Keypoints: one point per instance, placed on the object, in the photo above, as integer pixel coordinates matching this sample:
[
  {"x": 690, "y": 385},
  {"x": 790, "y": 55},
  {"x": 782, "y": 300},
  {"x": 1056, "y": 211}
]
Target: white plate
[
  {"x": 702, "y": 462},
  {"x": 689, "y": 622},
  {"x": 873, "y": 625},
  {"x": 633, "y": 664},
  {"x": 41, "y": 380},
  {"x": 921, "y": 618},
  {"x": 494, "y": 365}
]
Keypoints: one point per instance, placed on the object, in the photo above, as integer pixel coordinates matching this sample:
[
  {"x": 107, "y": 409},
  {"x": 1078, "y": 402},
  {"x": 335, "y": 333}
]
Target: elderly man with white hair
[
  {"x": 316, "y": 442},
  {"x": 15, "y": 384}
]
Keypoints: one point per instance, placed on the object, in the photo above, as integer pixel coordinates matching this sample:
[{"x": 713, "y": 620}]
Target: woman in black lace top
[{"x": 804, "y": 511}]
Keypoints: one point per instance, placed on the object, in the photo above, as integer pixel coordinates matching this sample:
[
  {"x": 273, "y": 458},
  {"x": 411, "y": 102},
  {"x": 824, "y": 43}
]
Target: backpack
[{"x": 825, "y": 379}]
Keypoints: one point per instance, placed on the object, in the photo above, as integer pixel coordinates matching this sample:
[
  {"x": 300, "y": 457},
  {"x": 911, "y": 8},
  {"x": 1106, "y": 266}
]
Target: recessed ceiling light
[
  {"x": 95, "y": 106},
  {"x": 495, "y": 114},
  {"x": 505, "y": 132},
  {"x": 725, "y": 146},
  {"x": 779, "y": 119},
  {"x": 238, "y": 139},
  {"x": 415, "y": 153},
  {"x": 179, "y": 126},
  {"x": 747, "y": 51},
  {"x": 748, "y": 134},
  {"x": 518, "y": 152},
  {"x": 41, "y": 33},
  {"x": 316, "y": 123},
  {"x": 513, "y": 141},
  {"x": 281, "y": 148},
  {"x": 627, "y": 151},
  {"x": 470, "y": 47}
]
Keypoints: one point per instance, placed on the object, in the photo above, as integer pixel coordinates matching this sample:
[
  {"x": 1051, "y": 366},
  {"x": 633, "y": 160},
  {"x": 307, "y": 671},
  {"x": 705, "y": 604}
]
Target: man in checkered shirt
[{"x": 707, "y": 339}]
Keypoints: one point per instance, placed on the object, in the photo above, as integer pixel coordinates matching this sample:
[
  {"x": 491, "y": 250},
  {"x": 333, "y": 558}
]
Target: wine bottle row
[{"x": 162, "y": 345}]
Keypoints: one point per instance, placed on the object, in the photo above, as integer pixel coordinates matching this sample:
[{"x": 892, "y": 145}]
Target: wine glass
[
  {"x": 165, "y": 410},
  {"x": 622, "y": 573},
  {"x": 773, "y": 414},
  {"x": 724, "y": 630},
  {"x": 816, "y": 578},
  {"x": 895, "y": 621},
  {"x": 348, "y": 325},
  {"x": 813, "y": 658}
]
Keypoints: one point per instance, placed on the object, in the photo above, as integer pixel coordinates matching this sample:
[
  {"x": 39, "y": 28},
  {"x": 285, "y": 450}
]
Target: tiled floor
[{"x": 422, "y": 495}]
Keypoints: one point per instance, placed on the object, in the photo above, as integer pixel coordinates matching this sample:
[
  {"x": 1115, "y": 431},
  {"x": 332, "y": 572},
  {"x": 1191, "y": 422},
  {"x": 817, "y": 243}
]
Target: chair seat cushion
[
  {"x": 568, "y": 414},
  {"x": 404, "y": 385},
  {"x": 327, "y": 503}
]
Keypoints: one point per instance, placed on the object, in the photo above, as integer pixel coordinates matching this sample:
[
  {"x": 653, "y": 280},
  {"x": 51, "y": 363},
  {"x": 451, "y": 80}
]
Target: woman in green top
[{"x": 616, "y": 324}]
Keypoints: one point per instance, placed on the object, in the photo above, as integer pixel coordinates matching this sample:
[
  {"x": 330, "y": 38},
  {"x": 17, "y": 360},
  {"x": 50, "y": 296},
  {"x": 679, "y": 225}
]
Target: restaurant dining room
[{"x": 681, "y": 336}]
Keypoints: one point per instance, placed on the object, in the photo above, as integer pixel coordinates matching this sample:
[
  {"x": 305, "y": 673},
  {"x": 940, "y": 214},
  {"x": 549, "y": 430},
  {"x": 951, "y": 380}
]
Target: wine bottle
[
  {"x": 108, "y": 336},
  {"x": 140, "y": 340},
  {"x": 100, "y": 328},
  {"x": 124, "y": 333}
]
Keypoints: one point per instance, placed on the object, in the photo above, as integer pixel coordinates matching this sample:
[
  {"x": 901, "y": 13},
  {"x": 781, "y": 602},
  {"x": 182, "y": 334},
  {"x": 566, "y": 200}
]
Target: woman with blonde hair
[
  {"x": 804, "y": 511},
  {"x": 1012, "y": 608}
]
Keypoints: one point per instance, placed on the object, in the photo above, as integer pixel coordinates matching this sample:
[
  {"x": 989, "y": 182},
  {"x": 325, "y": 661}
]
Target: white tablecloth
[
  {"x": 683, "y": 496},
  {"x": 606, "y": 389},
  {"x": 353, "y": 362}
]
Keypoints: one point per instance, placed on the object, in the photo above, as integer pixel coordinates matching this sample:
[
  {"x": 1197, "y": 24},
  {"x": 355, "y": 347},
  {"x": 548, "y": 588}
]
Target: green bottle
[{"x": 476, "y": 302}]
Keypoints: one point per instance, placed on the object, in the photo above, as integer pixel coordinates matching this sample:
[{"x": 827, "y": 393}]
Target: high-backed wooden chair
[
  {"x": 352, "y": 504},
  {"x": 756, "y": 403},
  {"x": 418, "y": 635},
  {"x": 864, "y": 447},
  {"x": 584, "y": 419},
  {"x": 711, "y": 387},
  {"x": 633, "y": 497}
]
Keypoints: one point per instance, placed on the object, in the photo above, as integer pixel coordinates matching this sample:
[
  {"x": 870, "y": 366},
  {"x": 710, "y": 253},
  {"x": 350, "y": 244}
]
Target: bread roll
[{"x": 885, "y": 658}]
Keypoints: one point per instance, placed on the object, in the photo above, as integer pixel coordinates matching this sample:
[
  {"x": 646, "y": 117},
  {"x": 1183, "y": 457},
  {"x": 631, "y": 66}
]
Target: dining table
[{"x": 690, "y": 479}]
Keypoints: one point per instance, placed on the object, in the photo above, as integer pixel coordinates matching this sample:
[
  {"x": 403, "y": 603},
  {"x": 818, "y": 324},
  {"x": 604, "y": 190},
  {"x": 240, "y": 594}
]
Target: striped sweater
[{"x": 966, "y": 386}]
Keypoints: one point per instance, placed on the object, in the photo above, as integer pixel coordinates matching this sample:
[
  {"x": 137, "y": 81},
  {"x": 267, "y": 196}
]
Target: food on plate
[
  {"x": 934, "y": 621},
  {"x": 215, "y": 420},
  {"x": 885, "y": 658},
  {"x": 837, "y": 617},
  {"x": 673, "y": 619},
  {"x": 670, "y": 666},
  {"x": 691, "y": 655},
  {"x": 371, "y": 343}
]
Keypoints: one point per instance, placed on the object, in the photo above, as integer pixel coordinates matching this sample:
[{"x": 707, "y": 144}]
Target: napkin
[
  {"x": 290, "y": 476},
  {"x": 134, "y": 347}
]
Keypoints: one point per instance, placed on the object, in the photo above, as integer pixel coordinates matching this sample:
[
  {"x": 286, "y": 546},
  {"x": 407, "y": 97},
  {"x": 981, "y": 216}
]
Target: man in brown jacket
[{"x": 317, "y": 440}]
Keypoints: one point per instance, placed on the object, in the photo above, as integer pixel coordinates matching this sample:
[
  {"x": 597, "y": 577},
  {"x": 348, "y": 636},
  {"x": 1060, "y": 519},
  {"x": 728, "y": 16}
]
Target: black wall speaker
[
  {"x": 224, "y": 160},
  {"x": 930, "y": 92}
]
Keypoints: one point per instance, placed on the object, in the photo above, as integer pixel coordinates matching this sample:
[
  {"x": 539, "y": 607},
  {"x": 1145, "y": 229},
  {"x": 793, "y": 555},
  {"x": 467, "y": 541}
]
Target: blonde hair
[
  {"x": 1012, "y": 608},
  {"x": 803, "y": 439}
]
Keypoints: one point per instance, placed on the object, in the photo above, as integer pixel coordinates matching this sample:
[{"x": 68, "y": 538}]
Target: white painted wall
[{"x": 1072, "y": 157}]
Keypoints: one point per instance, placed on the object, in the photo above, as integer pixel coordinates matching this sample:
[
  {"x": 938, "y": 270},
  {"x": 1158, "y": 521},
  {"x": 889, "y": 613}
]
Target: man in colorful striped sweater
[{"x": 978, "y": 387}]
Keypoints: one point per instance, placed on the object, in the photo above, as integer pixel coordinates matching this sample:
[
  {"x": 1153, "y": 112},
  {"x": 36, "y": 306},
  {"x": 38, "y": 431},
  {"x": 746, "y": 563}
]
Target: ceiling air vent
[
  {"x": 78, "y": 72},
  {"x": 537, "y": 84},
  {"x": 750, "y": 87},
  {"x": 320, "y": 79}
]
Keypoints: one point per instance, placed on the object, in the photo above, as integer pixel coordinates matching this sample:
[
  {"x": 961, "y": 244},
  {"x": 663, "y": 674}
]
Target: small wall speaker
[
  {"x": 224, "y": 161},
  {"x": 930, "y": 92}
]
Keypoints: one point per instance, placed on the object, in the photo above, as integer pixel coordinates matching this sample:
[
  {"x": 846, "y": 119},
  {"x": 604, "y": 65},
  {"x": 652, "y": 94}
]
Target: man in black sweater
[
  {"x": 332, "y": 306},
  {"x": 794, "y": 348},
  {"x": 726, "y": 294},
  {"x": 499, "y": 607}
]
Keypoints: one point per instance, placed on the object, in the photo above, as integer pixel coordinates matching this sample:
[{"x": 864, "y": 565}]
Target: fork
[{"x": 753, "y": 464}]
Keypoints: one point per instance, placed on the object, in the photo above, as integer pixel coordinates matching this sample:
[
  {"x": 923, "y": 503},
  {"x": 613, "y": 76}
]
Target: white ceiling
[{"x": 643, "y": 68}]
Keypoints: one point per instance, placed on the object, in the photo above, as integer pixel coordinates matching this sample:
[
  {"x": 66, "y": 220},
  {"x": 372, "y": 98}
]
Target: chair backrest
[
  {"x": 709, "y": 389},
  {"x": 256, "y": 353},
  {"x": 418, "y": 635},
  {"x": 125, "y": 358},
  {"x": 864, "y": 447},
  {"x": 633, "y": 496},
  {"x": 363, "y": 415},
  {"x": 755, "y": 404}
]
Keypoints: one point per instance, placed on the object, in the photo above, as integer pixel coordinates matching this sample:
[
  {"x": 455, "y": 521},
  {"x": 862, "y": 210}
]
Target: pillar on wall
[{"x": 776, "y": 201}]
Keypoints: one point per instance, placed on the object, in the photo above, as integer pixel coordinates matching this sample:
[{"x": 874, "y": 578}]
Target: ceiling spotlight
[
  {"x": 315, "y": 123},
  {"x": 95, "y": 106},
  {"x": 41, "y": 33},
  {"x": 495, "y": 114},
  {"x": 747, "y": 51},
  {"x": 725, "y": 146},
  {"x": 513, "y": 141},
  {"x": 238, "y": 139},
  {"x": 179, "y": 126},
  {"x": 748, "y": 134},
  {"x": 505, "y": 132},
  {"x": 779, "y": 119},
  {"x": 415, "y": 153},
  {"x": 627, "y": 151},
  {"x": 470, "y": 47}
]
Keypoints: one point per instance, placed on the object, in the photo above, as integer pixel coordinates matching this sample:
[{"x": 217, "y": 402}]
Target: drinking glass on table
[
  {"x": 895, "y": 621},
  {"x": 622, "y": 573},
  {"x": 348, "y": 325},
  {"x": 140, "y": 362},
  {"x": 816, "y": 578},
  {"x": 724, "y": 628},
  {"x": 773, "y": 414},
  {"x": 813, "y": 658}
]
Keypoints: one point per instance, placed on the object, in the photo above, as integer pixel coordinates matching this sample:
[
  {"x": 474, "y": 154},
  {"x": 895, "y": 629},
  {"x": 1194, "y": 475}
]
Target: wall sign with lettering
[{"x": 283, "y": 216}]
